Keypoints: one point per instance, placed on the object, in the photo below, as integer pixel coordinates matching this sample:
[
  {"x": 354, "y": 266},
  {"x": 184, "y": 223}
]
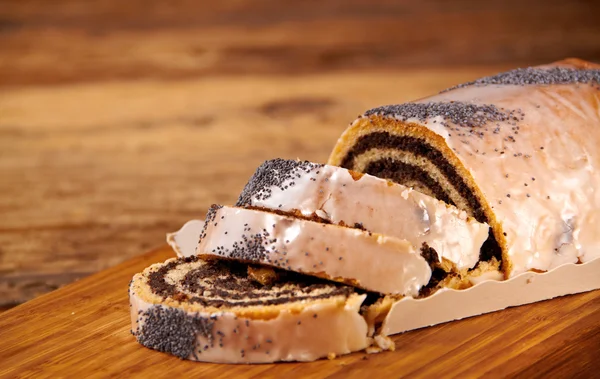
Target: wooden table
[{"x": 82, "y": 330}]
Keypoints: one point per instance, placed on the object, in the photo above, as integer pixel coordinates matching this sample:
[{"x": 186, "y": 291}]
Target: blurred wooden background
[{"x": 120, "y": 120}]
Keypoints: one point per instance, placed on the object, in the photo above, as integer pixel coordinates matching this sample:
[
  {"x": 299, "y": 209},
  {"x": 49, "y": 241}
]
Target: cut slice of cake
[
  {"x": 362, "y": 259},
  {"x": 340, "y": 196},
  {"x": 215, "y": 311},
  {"x": 518, "y": 151}
]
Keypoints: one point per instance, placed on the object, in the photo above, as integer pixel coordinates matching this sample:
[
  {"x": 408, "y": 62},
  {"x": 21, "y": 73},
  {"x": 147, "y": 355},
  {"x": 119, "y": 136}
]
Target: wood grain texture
[
  {"x": 82, "y": 330},
  {"x": 121, "y": 120},
  {"x": 93, "y": 174},
  {"x": 71, "y": 41}
]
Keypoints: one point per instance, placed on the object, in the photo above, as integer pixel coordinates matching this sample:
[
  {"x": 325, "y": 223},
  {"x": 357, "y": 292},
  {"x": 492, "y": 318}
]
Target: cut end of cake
[
  {"x": 214, "y": 311},
  {"x": 390, "y": 143}
]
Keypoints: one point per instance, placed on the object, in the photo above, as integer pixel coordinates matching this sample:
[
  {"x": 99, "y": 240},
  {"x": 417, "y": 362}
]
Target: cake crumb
[
  {"x": 381, "y": 343},
  {"x": 331, "y": 356},
  {"x": 385, "y": 343}
]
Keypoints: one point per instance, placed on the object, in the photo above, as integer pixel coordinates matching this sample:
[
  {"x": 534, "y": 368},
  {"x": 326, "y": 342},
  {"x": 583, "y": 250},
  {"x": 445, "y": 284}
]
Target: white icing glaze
[
  {"x": 560, "y": 220},
  {"x": 372, "y": 261},
  {"x": 382, "y": 207},
  {"x": 294, "y": 336}
]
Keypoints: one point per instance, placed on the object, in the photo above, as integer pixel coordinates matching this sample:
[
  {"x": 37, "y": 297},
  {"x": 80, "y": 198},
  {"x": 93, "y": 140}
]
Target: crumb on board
[{"x": 381, "y": 343}]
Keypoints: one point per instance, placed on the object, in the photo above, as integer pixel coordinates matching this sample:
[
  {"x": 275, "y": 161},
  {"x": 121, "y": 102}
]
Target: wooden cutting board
[{"x": 83, "y": 330}]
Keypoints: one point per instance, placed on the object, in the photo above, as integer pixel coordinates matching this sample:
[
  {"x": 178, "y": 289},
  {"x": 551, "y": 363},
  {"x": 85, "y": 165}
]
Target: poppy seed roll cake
[
  {"x": 213, "y": 311},
  {"x": 336, "y": 195},
  {"x": 518, "y": 151}
]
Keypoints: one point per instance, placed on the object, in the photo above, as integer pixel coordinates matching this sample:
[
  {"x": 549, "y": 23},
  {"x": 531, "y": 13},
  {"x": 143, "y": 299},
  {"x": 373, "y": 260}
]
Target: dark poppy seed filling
[
  {"x": 438, "y": 274},
  {"x": 401, "y": 172},
  {"x": 537, "y": 76},
  {"x": 405, "y": 173},
  {"x": 216, "y": 283}
]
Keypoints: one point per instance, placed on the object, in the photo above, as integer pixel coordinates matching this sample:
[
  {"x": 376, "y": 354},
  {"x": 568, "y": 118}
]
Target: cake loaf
[
  {"x": 339, "y": 196},
  {"x": 362, "y": 259},
  {"x": 215, "y": 311},
  {"x": 518, "y": 151}
]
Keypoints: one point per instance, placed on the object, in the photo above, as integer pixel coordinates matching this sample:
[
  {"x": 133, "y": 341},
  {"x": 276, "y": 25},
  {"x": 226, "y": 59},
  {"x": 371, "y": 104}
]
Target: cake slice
[
  {"x": 336, "y": 195},
  {"x": 518, "y": 151},
  {"x": 362, "y": 259},
  {"x": 215, "y": 311}
]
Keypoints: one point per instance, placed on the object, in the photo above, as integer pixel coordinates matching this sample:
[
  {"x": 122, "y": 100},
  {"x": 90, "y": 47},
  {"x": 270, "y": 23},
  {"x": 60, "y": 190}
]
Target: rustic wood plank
[
  {"x": 83, "y": 330},
  {"x": 108, "y": 39},
  {"x": 92, "y": 174}
]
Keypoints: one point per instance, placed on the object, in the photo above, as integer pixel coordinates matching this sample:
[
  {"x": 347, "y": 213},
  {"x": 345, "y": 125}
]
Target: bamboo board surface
[{"x": 83, "y": 330}]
